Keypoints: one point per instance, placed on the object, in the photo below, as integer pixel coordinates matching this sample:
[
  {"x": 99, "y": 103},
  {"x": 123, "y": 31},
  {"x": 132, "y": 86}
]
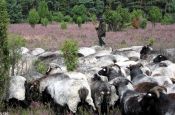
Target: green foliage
[
  {"x": 167, "y": 19},
  {"x": 14, "y": 11},
  {"x": 94, "y": 18},
  {"x": 15, "y": 42},
  {"x": 70, "y": 54},
  {"x": 67, "y": 18},
  {"x": 155, "y": 14},
  {"x": 44, "y": 21},
  {"x": 63, "y": 25},
  {"x": 79, "y": 21},
  {"x": 151, "y": 41},
  {"x": 58, "y": 16},
  {"x": 143, "y": 23},
  {"x": 41, "y": 67},
  {"x": 117, "y": 19},
  {"x": 43, "y": 9},
  {"x": 4, "y": 51},
  {"x": 136, "y": 14},
  {"x": 33, "y": 17},
  {"x": 79, "y": 10}
]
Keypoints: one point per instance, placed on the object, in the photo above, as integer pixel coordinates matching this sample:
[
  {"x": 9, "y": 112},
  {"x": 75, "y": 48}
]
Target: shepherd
[{"x": 101, "y": 31}]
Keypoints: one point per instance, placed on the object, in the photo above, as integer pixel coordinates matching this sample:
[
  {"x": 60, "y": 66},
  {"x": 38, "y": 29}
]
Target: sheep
[
  {"x": 145, "y": 51},
  {"x": 111, "y": 71},
  {"x": 166, "y": 68},
  {"x": 70, "y": 92},
  {"x": 144, "y": 87},
  {"x": 129, "y": 99},
  {"x": 101, "y": 94},
  {"x": 155, "y": 102},
  {"x": 17, "y": 93},
  {"x": 137, "y": 76}
]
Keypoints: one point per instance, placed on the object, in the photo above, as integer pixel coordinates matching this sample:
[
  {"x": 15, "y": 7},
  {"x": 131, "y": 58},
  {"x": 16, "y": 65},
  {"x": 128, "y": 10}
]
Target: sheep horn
[
  {"x": 117, "y": 65},
  {"x": 157, "y": 90}
]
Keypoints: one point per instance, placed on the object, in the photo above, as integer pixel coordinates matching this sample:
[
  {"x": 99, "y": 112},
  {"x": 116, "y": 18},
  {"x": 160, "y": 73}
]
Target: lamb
[
  {"x": 17, "y": 93},
  {"x": 70, "y": 92}
]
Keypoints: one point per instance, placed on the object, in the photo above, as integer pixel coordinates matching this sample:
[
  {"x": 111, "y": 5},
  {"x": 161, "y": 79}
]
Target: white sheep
[
  {"x": 65, "y": 92},
  {"x": 17, "y": 88}
]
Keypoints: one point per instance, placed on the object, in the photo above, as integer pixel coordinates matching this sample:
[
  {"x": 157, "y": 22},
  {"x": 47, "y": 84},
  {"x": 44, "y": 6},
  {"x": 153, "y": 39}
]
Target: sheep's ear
[{"x": 163, "y": 65}]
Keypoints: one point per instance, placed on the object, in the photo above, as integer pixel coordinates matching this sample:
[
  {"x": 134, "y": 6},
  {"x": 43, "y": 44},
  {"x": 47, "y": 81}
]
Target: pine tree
[{"x": 4, "y": 52}]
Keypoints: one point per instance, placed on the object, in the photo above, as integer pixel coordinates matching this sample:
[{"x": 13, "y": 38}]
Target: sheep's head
[
  {"x": 111, "y": 71},
  {"x": 160, "y": 58},
  {"x": 53, "y": 69},
  {"x": 120, "y": 81},
  {"x": 149, "y": 100},
  {"x": 145, "y": 51}
]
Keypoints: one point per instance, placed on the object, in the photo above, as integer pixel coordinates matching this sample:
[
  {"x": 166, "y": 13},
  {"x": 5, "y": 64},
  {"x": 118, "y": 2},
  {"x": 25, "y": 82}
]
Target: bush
[
  {"x": 79, "y": 10},
  {"x": 70, "y": 54},
  {"x": 44, "y": 21},
  {"x": 79, "y": 21},
  {"x": 67, "y": 18},
  {"x": 94, "y": 19},
  {"x": 15, "y": 42},
  {"x": 33, "y": 17},
  {"x": 167, "y": 19},
  {"x": 117, "y": 19},
  {"x": 136, "y": 16},
  {"x": 63, "y": 25},
  {"x": 143, "y": 23},
  {"x": 43, "y": 9},
  {"x": 41, "y": 67},
  {"x": 155, "y": 14},
  {"x": 58, "y": 17},
  {"x": 151, "y": 41}
]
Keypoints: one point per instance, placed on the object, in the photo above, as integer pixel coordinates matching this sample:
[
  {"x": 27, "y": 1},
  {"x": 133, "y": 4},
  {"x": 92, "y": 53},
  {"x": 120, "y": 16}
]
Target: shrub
[
  {"x": 151, "y": 41},
  {"x": 117, "y": 19},
  {"x": 167, "y": 19},
  {"x": 63, "y": 25},
  {"x": 41, "y": 67},
  {"x": 43, "y": 9},
  {"x": 136, "y": 16},
  {"x": 15, "y": 42},
  {"x": 67, "y": 18},
  {"x": 4, "y": 52},
  {"x": 70, "y": 54},
  {"x": 44, "y": 21},
  {"x": 79, "y": 10},
  {"x": 94, "y": 19},
  {"x": 155, "y": 14},
  {"x": 58, "y": 17},
  {"x": 143, "y": 23},
  {"x": 33, "y": 17},
  {"x": 79, "y": 21}
]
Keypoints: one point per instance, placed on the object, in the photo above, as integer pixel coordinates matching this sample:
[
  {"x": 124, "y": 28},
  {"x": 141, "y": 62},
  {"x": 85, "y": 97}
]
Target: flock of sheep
[{"x": 138, "y": 79}]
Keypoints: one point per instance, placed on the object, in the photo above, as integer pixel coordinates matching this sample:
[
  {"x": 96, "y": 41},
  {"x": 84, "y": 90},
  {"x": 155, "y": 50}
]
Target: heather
[{"x": 52, "y": 36}]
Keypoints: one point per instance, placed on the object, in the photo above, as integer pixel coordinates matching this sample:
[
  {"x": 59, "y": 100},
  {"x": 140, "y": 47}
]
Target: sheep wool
[
  {"x": 66, "y": 92},
  {"x": 17, "y": 88}
]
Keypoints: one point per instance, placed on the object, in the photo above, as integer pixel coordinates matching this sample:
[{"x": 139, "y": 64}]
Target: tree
[
  {"x": 33, "y": 17},
  {"x": 70, "y": 54},
  {"x": 14, "y": 11},
  {"x": 43, "y": 10},
  {"x": 155, "y": 15},
  {"x": 4, "y": 52}
]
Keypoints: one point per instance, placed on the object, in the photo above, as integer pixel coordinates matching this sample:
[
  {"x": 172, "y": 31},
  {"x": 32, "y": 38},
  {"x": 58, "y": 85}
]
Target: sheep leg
[{"x": 99, "y": 110}]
